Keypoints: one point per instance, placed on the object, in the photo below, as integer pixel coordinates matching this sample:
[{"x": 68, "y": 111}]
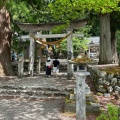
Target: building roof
[{"x": 95, "y": 39}]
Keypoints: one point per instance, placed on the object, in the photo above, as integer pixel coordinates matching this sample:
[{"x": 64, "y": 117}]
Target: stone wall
[{"x": 104, "y": 82}]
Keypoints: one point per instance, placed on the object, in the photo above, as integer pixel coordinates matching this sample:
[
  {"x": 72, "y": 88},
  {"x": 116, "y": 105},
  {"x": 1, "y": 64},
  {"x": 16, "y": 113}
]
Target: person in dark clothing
[
  {"x": 13, "y": 57},
  {"x": 56, "y": 64}
]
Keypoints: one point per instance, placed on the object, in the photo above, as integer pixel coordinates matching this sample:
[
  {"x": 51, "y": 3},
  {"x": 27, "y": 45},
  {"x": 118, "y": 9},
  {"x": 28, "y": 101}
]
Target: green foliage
[
  {"x": 66, "y": 10},
  {"x": 3, "y": 3},
  {"x": 119, "y": 111},
  {"x": 76, "y": 9},
  {"x": 94, "y": 22},
  {"x": 59, "y": 29},
  {"x": 112, "y": 113},
  {"x": 20, "y": 11},
  {"x": 70, "y": 10},
  {"x": 78, "y": 43},
  {"x": 114, "y": 18},
  {"x": 33, "y": 11},
  {"x": 17, "y": 44}
]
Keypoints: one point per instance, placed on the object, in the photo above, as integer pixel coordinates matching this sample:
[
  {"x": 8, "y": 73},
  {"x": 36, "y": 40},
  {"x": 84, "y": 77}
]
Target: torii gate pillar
[
  {"x": 70, "y": 67},
  {"x": 31, "y": 56}
]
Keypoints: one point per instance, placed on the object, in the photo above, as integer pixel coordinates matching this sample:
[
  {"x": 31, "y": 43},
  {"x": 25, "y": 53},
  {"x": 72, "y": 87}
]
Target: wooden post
[
  {"x": 20, "y": 65},
  {"x": 80, "y": 95},
  {"x": 39, "y": 64},
  {"x": 70, "y": 67},
  {"x": 31, "y": 56}
]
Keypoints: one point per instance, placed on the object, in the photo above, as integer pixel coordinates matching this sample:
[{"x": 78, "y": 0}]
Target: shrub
[{"x": 112, "y": 113}]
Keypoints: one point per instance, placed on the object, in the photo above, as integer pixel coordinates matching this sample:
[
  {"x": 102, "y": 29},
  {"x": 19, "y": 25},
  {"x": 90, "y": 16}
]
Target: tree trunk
[
  {"x": 105, "y": 56},
  {"x": 119, "y": 58},
  {"x": 113, "y": 47},
  {"x": 5, "y": 43}
]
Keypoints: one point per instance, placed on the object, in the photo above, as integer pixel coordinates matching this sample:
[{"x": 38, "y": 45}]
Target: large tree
[
  {"x": 5, "y": 38},
  {"x": 114, "y": 27},
  {"x": 5, "y": 41},
  {"x": 71, "y": 9}
]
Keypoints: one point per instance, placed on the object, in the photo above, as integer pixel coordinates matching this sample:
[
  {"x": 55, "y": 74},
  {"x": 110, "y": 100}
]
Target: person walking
[
  {"x": 48, "y": 67},
  {"x": 13, "y": 57},
  {"x": 56, "y": 64}
]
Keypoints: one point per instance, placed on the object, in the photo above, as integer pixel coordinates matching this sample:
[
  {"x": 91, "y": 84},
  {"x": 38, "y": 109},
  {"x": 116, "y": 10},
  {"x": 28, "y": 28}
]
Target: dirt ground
[{"x": 21, "y": 109}]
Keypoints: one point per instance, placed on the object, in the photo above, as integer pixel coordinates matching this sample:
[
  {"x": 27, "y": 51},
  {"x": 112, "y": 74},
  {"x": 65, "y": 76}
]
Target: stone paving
[
  {"x": 16, "y": 109},
  {"x": 37, "y": 86},
  {"x": 29, "y": 109},
  {"x": 39, "y": 81}
]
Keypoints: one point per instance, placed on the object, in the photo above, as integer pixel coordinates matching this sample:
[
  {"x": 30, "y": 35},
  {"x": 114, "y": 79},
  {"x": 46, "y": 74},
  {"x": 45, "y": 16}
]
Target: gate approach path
[{"x": 34, "y": 98}]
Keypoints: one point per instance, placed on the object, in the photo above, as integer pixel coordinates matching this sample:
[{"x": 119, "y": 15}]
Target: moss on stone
[
  {"x": 88, "y": 103},
  {"x": 69, "y": 101},
  {"x": 83, "y": 60},
  {"x": 111, "y": 70}
]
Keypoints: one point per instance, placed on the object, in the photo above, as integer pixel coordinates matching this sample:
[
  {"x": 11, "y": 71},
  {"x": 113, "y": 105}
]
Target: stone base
[{"x": 91, "y": 108}]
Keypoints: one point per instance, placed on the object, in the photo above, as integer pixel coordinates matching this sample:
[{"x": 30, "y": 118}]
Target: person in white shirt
[{"x": 48, "y": 67}]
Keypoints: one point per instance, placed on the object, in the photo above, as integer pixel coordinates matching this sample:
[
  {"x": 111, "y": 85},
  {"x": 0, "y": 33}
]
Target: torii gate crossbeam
[{"x": 51, "y": 36}]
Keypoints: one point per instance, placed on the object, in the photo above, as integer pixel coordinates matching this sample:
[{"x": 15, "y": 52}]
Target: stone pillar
[
  {"x": 31, "y": 56},
  {"x": 89, "y": 52},
  {"x": 39, "y": 64},
  {"x": 80, "y": 95},
  {"x": 20, "y": 65},
  {"x": 70, "y": 67}
]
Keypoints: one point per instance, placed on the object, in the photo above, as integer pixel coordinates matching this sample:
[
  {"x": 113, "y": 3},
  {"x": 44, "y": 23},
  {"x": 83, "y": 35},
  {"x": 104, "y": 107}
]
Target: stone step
[
  {"x": 50, "y": 88},
  {"x": 8, "y": 96},
  {"x": 33, "y": 92},
  {"x": 30, "y": 92}
]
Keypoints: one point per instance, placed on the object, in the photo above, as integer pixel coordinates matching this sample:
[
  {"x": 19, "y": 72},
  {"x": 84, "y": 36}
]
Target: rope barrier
[{"x": 51, "y": 43}]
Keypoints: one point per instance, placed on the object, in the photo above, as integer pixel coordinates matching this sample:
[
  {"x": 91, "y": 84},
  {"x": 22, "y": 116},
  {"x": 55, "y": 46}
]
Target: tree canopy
[
  {"x": 70, "y": 9},
  {"x": 29, "y": 11}
]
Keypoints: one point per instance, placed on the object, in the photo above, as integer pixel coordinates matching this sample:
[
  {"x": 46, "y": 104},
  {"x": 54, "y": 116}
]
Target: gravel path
[{"x": 16, "y": 109}]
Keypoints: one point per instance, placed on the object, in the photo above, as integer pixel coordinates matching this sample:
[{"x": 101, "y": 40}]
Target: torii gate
[{"x": 34, "y": 28}]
